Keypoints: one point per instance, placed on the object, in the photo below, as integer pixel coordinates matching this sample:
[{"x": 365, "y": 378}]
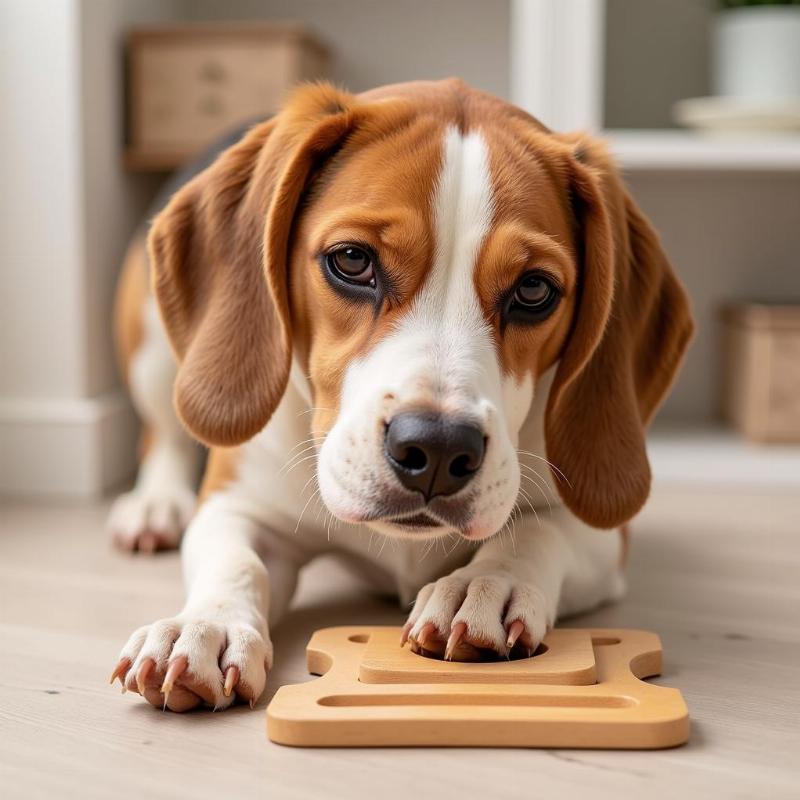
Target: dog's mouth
[
  {"x": 405, "y": 514},
  {"x": 417, "y": 521}
]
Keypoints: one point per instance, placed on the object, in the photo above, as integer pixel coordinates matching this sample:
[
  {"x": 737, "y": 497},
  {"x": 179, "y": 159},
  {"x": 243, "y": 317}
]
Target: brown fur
[
  {"x": 133, "y": 288},
  {"x": 631, "y": 329},
  {"x": 221, "y": 469},
  {"x": 234, "y": 256}
]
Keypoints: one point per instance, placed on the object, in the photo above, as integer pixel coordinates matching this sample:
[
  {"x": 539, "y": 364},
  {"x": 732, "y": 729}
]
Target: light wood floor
[{"x": 715, "y": 573}]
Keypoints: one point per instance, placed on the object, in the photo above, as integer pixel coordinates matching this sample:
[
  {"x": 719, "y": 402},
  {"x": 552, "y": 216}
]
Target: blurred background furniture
[
  {"x": 761, "y": 386},
  {"x": 188, "y": 85},
  {"x": 726, "y": 208}
]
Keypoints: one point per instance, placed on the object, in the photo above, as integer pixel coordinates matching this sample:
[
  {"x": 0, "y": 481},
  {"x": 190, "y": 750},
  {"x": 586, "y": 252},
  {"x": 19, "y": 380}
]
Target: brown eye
[
  {"x": 533, "y": 291},
  {"x": 533, "y": 299},
  {"x": 352, "y": 265}
]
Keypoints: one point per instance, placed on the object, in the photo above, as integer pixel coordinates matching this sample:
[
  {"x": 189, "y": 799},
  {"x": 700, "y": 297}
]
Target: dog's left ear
[{"x": 632, "y": 327}]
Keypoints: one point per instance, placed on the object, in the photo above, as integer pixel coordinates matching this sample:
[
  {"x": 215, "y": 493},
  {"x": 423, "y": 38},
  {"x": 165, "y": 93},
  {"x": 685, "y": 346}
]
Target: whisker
[
  {"x": 311, "y": 440},
  {"x": 300, "y": 518},
  {"x": 541, "y": 490},
  {"x": 533, "y": 508},
  {"x": 500, "y": 535},
  {"x": 321, "y": 507},
  {"x": 538, "y": 474},
  {"x": 298, "y": 463},
  {"x": 513, "y": 529},
  {"x": 542, "y": 487},
  {"x": 428, "y": 547},
  {"x": 549, "y": 463},
  {"x": 312, "y": 410},
  {"x": 383, "y": 544},
  {"x": 305, "y": 486},
  {"x": 455, "y": 543},
  {"x": 527, "y": 498},
  {"x": 296, "y": 459}
]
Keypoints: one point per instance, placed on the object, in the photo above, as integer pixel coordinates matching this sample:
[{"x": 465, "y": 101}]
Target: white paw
[
  {"x": 151, "y": 519},
  {"x": 480, "y": 611},
  {"x": 189, "y": 660}
]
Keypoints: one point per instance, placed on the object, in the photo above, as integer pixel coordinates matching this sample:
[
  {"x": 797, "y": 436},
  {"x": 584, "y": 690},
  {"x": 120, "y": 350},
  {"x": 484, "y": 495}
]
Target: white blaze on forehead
[
  {"x": 445, "y": 322},
  {"x": 463, "y": 207},
  {"x": 443, "y": 345}
]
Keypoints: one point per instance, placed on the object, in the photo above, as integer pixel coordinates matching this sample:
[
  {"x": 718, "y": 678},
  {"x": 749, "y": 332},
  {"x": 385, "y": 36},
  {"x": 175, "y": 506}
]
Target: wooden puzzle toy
[{"x": 583, "y": 688}]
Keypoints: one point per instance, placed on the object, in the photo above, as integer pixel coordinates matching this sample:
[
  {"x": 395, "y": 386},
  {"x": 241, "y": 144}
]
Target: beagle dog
[{"x": 415, "y": 314}]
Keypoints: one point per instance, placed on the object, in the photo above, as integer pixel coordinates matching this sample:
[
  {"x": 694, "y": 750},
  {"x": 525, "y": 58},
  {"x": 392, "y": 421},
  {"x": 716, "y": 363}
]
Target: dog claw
[
  {"x": 425, "y": 631},
  {"x": 231, "y": 679},
  {"x": 514, "y": 631},
  {"x": 123, "y": 665},
  {"x": 174, "y": 671},
  {"x": 148, "y": 543},
  {"x": 456, "y": 634},
  {"x": 406, "y": 630},
  {"x": 141, "y": 675}
]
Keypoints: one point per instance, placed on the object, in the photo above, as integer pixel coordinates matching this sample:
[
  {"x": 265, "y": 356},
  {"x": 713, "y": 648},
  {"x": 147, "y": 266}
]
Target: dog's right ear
[{"x": 219, "y": 259}]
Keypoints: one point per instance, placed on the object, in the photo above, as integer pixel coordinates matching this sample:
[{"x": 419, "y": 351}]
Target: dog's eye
[
  {"x": 352, "y": 264},
  {"x": 534, "y": 298}
]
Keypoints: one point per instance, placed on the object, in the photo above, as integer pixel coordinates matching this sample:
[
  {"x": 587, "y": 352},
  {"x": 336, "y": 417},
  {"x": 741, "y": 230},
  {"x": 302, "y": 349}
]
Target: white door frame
[{"x": 557, "y": 61}]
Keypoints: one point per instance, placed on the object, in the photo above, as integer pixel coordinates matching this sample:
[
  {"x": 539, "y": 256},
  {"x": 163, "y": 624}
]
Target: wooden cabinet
[
  {"x": 188, "y": 85},
  {"x": 761, "y": 394}
]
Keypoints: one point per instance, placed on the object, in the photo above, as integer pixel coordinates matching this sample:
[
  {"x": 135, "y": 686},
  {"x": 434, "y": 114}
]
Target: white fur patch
[{"x": 163, "y": 500}]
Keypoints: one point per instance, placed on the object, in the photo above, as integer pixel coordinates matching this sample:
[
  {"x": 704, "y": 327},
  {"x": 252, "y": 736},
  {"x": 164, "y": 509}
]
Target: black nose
[{"x": 431, "y": 454}]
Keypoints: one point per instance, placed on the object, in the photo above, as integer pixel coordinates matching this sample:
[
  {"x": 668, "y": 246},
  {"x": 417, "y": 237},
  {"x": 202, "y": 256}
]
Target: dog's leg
[
  {"x": 218, "y": 647},
  {"x": 155, "y": 513},
  {"x": 512, "y": 591}
]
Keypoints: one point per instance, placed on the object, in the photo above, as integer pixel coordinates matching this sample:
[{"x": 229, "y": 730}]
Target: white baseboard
[
  {"x": 711, "y": 455},
  {"x": 66, "y": 447}
]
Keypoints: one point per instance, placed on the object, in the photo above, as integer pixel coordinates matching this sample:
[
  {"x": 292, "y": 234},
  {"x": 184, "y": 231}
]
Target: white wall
[
  {"x": 656, "y": 52},
  {"x": 113, "y": 199},
  {"x": 66, "y": 210},
  {"x": 731, "y": 236},
  {"x": 40, "y": 202},
  {"x": 388, "y": 41}
]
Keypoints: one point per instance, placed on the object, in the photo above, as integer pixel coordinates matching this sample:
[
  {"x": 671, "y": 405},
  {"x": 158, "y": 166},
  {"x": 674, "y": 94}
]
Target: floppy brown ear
[
  {"x": 219, "y": 258},
  {"x": 631, "y": 329}
]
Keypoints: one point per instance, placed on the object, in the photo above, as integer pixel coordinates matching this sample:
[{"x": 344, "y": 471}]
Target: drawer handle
[
  {"x": 212, "y": 72},
  {"x": 211, "y": 105}
]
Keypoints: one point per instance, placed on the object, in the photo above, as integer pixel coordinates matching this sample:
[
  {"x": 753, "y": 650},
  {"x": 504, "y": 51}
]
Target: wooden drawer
[
  {"x": 190, "y": 85},
  {"x": 761, "y": 389}
]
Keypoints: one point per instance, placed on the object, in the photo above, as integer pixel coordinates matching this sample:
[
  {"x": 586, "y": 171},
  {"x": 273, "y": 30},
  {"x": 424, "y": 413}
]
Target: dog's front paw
[
  {"x": 148, "y": 520},
  {"x": 476, "y": 613},
  {"x": 189, "y": 660}
]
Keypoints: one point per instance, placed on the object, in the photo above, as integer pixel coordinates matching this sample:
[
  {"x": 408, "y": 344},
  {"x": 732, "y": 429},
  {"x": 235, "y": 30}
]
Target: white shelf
[
  {"x": 686, "y": 150},
  {"x": 706, "y": 456}
]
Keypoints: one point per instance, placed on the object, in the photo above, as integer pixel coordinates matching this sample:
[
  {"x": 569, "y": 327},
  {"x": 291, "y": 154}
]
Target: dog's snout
[{"x": 432, "y": 454}]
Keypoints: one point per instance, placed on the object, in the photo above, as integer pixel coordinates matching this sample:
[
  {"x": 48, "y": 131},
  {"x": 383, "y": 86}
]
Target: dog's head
[{"x": 426, "y": 252}]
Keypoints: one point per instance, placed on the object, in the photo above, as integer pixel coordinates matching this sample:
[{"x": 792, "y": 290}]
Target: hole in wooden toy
[
  {"x": 601, "y": 641},
  {"x": 359, "y": 638},
  {"x": 559, "y": 701},
  {"x": 467, "y": 652}
]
